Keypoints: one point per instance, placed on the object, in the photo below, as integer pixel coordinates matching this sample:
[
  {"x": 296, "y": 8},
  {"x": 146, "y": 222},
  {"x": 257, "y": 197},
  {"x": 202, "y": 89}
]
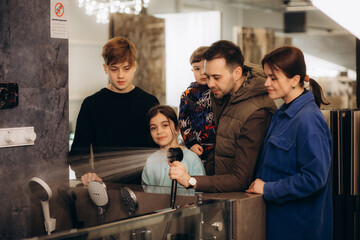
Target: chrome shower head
[{"x": 129, "y": 200}]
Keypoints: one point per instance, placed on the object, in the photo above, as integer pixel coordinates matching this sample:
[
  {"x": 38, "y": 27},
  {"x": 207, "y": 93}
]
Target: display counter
[{"x": 235, "y": 215}]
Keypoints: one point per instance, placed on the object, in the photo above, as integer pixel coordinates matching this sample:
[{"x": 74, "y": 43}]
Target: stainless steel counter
[{"x": 234, "y": 215}]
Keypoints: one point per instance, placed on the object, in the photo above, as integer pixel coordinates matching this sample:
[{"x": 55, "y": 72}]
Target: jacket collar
[
  {"x": 297, "y": 104},
  {"x": 253, "y": 85}
]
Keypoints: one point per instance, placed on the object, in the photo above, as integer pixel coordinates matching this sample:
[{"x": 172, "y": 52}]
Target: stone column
[{"x": 39, "y": 65}]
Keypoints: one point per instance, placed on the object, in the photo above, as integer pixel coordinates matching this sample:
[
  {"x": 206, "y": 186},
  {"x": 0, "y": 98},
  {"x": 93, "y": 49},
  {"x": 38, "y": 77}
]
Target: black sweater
[{"x": 108, "y": 119}]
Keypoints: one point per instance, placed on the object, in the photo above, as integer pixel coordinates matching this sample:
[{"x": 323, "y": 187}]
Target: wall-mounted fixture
[
  {"x": 43, "y": 192},
  {"x": 14, "y": 137},
  {"x": 9, "y": 95},
  {"x": 102, "y": 8}
]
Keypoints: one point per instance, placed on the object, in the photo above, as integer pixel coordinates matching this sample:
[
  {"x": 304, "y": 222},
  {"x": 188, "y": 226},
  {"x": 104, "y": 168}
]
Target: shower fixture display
[
  {"x": 43, "y": 192},
  {"x": 15, "y": 137},
  {"x": 99, "y": 195},
  {"x": 129, "y": 200}
]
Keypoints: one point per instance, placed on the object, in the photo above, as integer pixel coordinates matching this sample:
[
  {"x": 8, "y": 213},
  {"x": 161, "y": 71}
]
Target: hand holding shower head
[
  {"x": 43, "y": 193},
  {"x": 98, "y": 194},
  {"x": 174, "y": 154}
]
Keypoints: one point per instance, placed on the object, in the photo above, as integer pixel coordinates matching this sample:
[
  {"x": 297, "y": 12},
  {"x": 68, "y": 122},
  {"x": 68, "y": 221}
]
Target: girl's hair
[
  {"x": 290, "y": 60},
  {"x": 167, "y": 111}
]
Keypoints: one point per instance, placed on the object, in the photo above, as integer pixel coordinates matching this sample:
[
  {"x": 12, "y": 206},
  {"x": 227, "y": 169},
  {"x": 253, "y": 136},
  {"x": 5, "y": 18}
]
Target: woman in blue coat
[{"x": 294, "y": 172}]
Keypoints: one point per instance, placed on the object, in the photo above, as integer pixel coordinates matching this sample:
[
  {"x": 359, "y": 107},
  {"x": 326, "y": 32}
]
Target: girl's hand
[
  {"x": 256, "y": 186},
  {"x": 89, "y": 177},
  {"x": 178, "y": 172},
  {"x": 196, "y": 148}
]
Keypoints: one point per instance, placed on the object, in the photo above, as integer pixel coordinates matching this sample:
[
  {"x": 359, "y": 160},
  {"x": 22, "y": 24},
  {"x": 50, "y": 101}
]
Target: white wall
[
  {"x": 184, "y": 32},
  {"x": 86, "y": 74},
  {"x": 261, "y": 19}
]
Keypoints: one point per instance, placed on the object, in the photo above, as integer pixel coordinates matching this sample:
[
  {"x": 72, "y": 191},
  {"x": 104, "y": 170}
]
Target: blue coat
[{"x": 295, "y": 164}]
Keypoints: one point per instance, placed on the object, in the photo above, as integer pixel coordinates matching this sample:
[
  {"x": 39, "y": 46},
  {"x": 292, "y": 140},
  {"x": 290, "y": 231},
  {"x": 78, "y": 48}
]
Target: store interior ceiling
[
  {"x": 322, "y": 37},
  {"x": 324, "y": 23},
  {"x": 326, "y": 33},
  {"x": 272, "y": 5}
]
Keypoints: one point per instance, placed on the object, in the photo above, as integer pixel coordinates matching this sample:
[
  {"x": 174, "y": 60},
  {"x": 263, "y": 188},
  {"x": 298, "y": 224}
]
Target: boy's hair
[
  {"x": 119, "y": 50},
  {"x": 198, "y": 54},
  {"x": 167, "y": 111},
  {"x": 227, "y": 50}
]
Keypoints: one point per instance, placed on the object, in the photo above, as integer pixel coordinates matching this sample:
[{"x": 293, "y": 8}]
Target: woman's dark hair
[
  {"x": 167, "y": 111},
  {"x": 290, "y": 60}
]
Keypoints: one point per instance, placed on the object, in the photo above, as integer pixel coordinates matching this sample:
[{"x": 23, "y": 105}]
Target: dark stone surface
[
  {"x": 4, "y": 36},
  {"x": 39, "y": 64}
]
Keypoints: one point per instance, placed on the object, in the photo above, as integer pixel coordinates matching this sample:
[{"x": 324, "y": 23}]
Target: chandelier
[{"x": 102, "y": 8}]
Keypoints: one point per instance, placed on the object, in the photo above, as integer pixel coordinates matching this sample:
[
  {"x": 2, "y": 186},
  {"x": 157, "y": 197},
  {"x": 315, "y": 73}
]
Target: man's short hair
[
  {"x": 119, "y": 50},
  {"x": 227, "y": 50},
  {"x": 198, "y": 54}
]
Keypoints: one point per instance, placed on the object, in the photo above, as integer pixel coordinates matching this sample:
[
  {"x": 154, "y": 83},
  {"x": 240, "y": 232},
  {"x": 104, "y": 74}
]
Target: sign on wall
[{"x": 59, "y": 12}]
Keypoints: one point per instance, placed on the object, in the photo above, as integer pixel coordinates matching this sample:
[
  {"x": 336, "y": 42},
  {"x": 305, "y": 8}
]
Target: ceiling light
[{"x": 102, "y": 8}]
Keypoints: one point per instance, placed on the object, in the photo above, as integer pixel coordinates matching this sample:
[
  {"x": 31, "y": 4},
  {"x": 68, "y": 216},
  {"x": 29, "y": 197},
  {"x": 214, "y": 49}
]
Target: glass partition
[{"x": 206, "y": 220}]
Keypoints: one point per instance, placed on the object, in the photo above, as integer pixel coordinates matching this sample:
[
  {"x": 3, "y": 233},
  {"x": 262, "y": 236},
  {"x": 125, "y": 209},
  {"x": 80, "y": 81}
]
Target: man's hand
[
  {"x": 89, "y": 177},
  {"x": 196, "y": 148},
  {"x": 256, "y": 186},
  {"x": 178, "y": 172}
]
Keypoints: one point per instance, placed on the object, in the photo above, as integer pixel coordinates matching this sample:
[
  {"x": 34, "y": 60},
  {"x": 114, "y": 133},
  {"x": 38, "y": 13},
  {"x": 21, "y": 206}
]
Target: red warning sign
[
  {"x": 59, "y": 27},
  {"x": 59, "y": 9}
]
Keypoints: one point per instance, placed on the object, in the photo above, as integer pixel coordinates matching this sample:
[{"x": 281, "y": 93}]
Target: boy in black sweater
[{"x": 115, "y": 116}]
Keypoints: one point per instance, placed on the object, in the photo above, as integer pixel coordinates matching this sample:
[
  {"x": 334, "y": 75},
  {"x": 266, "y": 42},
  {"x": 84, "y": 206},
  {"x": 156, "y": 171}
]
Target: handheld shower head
[
  {"x": 43, "y": 192},
  {"x": 98, "y": 194},
  {"x": 174, "y": 154},
  {"x": 129, "y": 200}
]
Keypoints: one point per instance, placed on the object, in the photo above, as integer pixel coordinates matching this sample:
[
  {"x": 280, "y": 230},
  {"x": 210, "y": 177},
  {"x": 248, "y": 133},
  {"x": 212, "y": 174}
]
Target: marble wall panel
[
  {"x": 39, "y": 64},
  {"x": 40, "y": 60},
  {"x": 4, "y": 35}
]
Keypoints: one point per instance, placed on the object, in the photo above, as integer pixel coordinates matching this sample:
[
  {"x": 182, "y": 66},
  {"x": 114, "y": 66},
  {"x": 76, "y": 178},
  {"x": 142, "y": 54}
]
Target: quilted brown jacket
[{"x": 242, "y": 120}]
